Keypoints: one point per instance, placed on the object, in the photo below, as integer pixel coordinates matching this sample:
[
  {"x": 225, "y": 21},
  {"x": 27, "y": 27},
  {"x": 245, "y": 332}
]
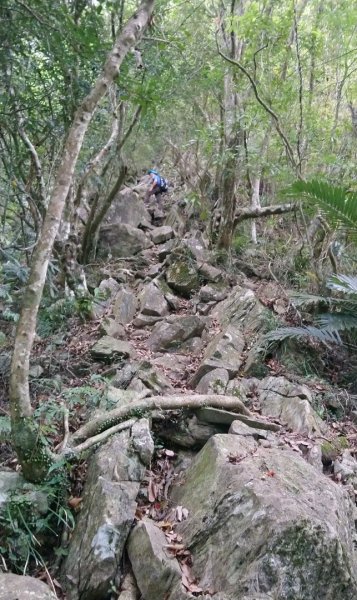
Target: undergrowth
[{"x": 31, "y": 524}]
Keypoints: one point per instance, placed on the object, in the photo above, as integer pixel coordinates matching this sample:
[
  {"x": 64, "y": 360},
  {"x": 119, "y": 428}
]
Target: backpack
[{"x": 164, "y": 186}]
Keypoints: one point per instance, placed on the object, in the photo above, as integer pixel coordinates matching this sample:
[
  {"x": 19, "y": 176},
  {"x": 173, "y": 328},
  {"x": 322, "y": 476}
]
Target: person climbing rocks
[{"x": 158, "y": 185}]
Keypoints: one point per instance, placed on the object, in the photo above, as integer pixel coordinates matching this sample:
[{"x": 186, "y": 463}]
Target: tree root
[{"x": 111, "y": 418}]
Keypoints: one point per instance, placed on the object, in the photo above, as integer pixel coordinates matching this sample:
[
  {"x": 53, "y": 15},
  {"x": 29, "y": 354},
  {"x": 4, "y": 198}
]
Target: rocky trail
[{"x": 252, "y": 503}]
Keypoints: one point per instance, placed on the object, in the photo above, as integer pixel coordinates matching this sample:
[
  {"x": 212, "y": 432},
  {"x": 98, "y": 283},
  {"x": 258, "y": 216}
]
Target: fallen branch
[
  {"x": 265, "y": 211},
  {"x": 111, "y": 418}
]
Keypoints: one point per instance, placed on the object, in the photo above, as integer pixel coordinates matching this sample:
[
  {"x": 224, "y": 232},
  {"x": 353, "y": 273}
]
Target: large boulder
[
  {"x": 22, "y": 587},
  {"x": 225, "y": 351},
  {"x": 162, "y": 234},
  {"x": 171, "y": 333},
  {"x": 125, "y": 306},
  {"x": 109, "y": 504},
  {"x": 182, "y": 273},
  {"x": 289, "y": 403},
  {"x": 156, "y": 572},
  {"x": 153, "y": 302},
  {"x": 109, "y": 349},
  {"x": 243, "y": 309},
  {"x": 128, "y": 208},
  {"x": 262, "y": 523},
  {"x": 121, "y": 240}
]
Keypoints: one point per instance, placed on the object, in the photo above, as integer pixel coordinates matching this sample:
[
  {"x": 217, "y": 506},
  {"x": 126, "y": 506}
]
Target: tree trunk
[
  {"x": 32, "y": 453},
  {"x": 255, "y": 204}
]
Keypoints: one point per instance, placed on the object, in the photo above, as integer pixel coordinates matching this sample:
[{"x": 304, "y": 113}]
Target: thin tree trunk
[
  {"x": 32, "y": 452},
  {"x": 255, "y": 204}
]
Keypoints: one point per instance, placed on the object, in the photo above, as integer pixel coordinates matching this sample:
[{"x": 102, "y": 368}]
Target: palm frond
[
  {"x": 336, "y": 202},
  {"x": 343, "y": 283},
  {"x": 337, "y": 322},
  {"x": 283, "y": 333}
]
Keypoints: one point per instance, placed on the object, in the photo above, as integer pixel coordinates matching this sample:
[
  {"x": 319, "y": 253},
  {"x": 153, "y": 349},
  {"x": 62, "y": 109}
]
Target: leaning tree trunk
[{"x": 31, "y": 450}]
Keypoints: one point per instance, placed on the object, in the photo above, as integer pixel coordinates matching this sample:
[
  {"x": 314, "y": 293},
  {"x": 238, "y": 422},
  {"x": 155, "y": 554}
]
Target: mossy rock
[
  {"x": 332, "y": 449},
  {"x": 182, "y": 276}
]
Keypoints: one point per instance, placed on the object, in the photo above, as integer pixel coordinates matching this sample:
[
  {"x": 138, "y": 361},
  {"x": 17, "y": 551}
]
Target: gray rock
[
  {"x": 109, "y": 349},
  {"x": 193, "y": 346},
  {"x": 120, "y": 240},
  {"x": 108, "y": 289},
  {"x": 153, "y": 379},
  {"x": 128, "y": 208},
  {"x": 109, "y": 505},
  {"x": 264, "y": 522},
  {"x": 11, "y": 482},
  {"x": 22, "y": 587},
  {"x": 115, "y": 397},
  {"x": 112, "y": 328},
  {"x": 164, "y": 249},
  {"x": 242, "y": 308},
  {"x": 289, "y": 403},
  {"x": 153, "y": 302},
  {"x": 210, "y": 273},
  {"x": 156, "y": 572},
  {"x": 36, "y": 371},
  {"x": 142, "y": 441},
  {"x": 128, "y": 589},
  {"x": 223, "y": 352},
  {"x": 175, "y": 365},
  {"x": 145, "y": 321},
  {"x": 214, "y": 382},
  {"x": 182, "y": 276},
  {"x": 212, "y": 293},
  {"x": 125, "y": 306},
  {"x": 124, "y": 375},
  {"x": 345, "y": 468},
  {"x": 189, "y": 432},
  {"x": 162, "y": 234},
  {"x": 197, "y": 247},
  {"x": 153, "y": 270},
  {"x": 172, "y": 332},
  {"x": 240, "y": 428}
]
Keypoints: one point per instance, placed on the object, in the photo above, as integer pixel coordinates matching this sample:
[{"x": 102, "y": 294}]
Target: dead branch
[
  {"x": 102, "y": 422},
  {"x": 266, "y": 211}
]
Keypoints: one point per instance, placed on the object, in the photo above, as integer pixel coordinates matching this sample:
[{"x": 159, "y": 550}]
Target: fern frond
[
  {"x": 283, "y": 333},
  {"x": 336, "y": 202}
]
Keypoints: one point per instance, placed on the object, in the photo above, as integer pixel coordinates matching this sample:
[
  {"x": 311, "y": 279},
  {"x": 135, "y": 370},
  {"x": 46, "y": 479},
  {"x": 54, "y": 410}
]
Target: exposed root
[{"x": 103, "y": 422}]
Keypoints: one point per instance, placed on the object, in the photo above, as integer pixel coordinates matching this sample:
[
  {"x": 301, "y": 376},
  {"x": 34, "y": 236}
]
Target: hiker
[{"x": 158, "y": 185}]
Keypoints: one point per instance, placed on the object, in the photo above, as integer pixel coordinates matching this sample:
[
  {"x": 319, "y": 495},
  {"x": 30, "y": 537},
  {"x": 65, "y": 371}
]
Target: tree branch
[
  {"x": 265, "y": 211},
  {"x": 288, "y": 148}
]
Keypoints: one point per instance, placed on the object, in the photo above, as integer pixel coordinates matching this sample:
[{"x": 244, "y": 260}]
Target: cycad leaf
[
  {"x": 343, "y": 283},
  {"x": 303, "y": 300},
  {"x": 336, "y": 202},
  {"x": 337, "y": 322},
  {"x": 283, "y": 333}
]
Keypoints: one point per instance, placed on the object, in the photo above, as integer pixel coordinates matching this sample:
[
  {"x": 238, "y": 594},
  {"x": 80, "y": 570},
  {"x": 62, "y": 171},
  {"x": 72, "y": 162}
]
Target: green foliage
[
  {"x": 28, "y": 529},
  {"x": 338, "y": 204},
  {"x": 239, "y": 243},
  {"x": 54, "y": 318}
]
